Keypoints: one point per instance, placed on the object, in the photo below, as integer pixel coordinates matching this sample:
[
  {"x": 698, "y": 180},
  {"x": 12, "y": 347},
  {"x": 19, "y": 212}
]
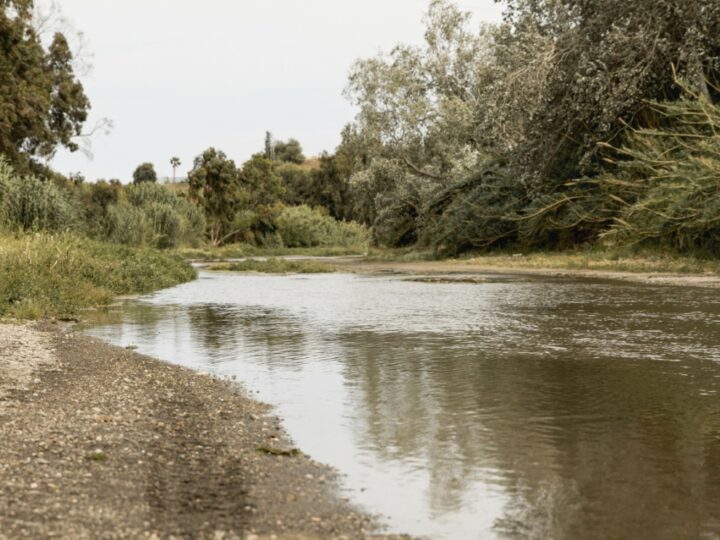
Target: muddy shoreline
[
  {"x": 100, "y": 442},
  {"x": 457, "y": 268}
]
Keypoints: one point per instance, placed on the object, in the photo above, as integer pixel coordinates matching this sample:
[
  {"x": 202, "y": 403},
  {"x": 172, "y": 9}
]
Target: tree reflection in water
[{"x": 520, "y": 409}]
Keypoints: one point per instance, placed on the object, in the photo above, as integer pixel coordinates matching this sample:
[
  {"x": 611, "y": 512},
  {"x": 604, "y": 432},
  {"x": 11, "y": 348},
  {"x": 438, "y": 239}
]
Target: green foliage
[
  {"x": 289, "y": 152},
  {"x": 322, "y": 185},
  {"x": 275, "y": 265},
  {"x": 42, "y": 104},
  {"x": 486, "y": 139},
  {"x": 145, "y": 172},
  {"x": 29, "y": 204},
  {"x": 414, "y": 135},
  {"x": 478, "y": 213},
  {"x": 258, "y": 205},
  {"x": 214, "y": 184},
  {"x": 302, "y": 226},
  {"x": 329, "y": 187},
  {"x": 47, "y": 276},
  {"x": 671, "y": 180},
  {"x": 152, "y": 215},
  {"x": 94, "y": 199},
  {"x": 297, "y": 183},
  {"x": 604, "y": 60}
]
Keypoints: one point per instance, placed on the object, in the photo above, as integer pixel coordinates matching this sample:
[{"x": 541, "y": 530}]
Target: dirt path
[{"x": 99, "y": 442}]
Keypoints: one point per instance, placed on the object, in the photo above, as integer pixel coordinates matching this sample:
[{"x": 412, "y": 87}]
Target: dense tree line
[
  {"x": 518, "y": 134},
  {"x": 571, "y": 122}
]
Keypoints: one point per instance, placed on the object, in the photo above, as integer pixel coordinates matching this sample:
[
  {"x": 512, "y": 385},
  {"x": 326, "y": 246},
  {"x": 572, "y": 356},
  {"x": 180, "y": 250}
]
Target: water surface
[{"x": 515, "y": 408}]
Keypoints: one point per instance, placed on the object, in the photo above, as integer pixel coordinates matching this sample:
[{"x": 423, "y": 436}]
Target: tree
[
  {"x": 174, "y": 163},
  {"x": 145, "y": 172},
  {"x": 328, "y": 188},
  {"x": 42, "y": 104},
  {"x": 289, "y": 152},
  {"x": 214, "y": 184},
  {"x": 606, "y": 60},
  {"x": 414, "y": 133},
  {"x": 269, "y": 146}
]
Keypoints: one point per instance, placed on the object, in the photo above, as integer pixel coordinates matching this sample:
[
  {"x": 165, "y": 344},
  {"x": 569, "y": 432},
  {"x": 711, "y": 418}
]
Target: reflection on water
[{"x": 516, "y": 408}]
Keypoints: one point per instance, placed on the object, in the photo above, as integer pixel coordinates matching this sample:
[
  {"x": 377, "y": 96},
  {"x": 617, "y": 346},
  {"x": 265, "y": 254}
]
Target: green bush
[
  {"x": 154, "y": 216},
  {"x": 128, "y": 224},
  {"x": 302, "y": 226},
  {"x": 477, "y": 213},
  {"x": 30, "y": 204}
]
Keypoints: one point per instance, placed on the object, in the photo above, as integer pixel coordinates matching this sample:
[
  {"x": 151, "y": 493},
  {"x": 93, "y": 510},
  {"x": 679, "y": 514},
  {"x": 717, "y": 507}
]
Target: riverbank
[
  {"x": 455, "y": 270},
  {"x": 57, "y": 276},
  {"x": 679, "y": 272},
  {"x": 623, "y": 265},
  {"x": 100, "y": 442}
]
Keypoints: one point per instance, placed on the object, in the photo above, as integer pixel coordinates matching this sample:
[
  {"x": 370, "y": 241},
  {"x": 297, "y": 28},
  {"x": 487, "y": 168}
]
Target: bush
[
  {"x": 154, "y": 216},
  {"x": 302, "y": 226},
  {"x": 128, "y": 224},
  {"x": 29, "y": 204}
]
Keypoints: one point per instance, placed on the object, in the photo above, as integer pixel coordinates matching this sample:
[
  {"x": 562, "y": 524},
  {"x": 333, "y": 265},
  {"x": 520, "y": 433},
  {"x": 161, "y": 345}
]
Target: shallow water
[{"x": 514, "y": 408}]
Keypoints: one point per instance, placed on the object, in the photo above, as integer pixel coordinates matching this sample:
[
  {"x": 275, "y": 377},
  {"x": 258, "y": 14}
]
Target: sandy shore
[
  {"x": 100, "y": 442},
  {"x": 456, "y": 269}
]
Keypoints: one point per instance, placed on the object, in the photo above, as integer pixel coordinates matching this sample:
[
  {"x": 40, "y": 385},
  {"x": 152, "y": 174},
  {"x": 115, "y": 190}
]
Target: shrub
[
  {"x": 302, "y": 226},
  {"x": 154, "y": 216},
  {"x": 30, "y": 204}
]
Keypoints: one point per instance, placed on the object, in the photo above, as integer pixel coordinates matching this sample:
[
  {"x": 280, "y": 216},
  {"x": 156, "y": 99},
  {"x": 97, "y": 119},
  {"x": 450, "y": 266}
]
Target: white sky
[{"x": 178, "y": 76}]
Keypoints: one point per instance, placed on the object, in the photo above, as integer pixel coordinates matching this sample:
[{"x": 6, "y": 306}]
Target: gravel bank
[{"x": 100, "y": 442}]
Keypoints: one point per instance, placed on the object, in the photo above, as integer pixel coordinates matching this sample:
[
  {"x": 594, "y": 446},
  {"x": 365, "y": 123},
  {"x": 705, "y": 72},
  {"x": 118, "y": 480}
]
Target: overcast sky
[{"x": 178, "y": 76}]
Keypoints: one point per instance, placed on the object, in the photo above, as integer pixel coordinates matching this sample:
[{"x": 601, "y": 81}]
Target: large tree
[
  {"x": 214, "y": 184},
  {"x": 415, "y": 127},
  {"x": 603, "y": 60},
  {"x": 42, "y": 104}
]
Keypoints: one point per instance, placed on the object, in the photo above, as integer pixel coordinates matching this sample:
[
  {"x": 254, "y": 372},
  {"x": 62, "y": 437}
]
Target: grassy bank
[
  {"x": 237, "y": 251},
  {"x": 275, "y": 265},
  {"x": 608, "y": 259},
  {"x": 611, "y": 261},
  {"x": 44, "y": 275}
]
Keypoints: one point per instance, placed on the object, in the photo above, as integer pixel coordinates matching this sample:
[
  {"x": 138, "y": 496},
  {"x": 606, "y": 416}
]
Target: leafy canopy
[{"x": 42, "y": 104}]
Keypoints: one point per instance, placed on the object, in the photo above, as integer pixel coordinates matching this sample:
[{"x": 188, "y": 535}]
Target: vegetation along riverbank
[{"x": 569, "y": 138}]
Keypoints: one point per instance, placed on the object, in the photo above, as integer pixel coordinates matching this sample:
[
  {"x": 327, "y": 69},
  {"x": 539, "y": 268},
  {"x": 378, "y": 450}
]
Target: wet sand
[{"x": 99, "y": 442}]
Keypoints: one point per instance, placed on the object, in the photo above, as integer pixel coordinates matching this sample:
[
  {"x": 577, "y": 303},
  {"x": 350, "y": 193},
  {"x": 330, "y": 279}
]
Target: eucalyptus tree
[
  {"x": 214, "y": 184},
  {"x": 42, "y": 104}
]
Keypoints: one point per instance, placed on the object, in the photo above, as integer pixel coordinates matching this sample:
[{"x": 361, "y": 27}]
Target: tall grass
[{"x": 45, "y": 275}]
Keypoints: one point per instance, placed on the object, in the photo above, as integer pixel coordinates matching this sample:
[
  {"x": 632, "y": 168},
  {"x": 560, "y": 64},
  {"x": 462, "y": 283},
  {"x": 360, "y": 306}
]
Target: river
[{"x": 514, "y": 407}]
